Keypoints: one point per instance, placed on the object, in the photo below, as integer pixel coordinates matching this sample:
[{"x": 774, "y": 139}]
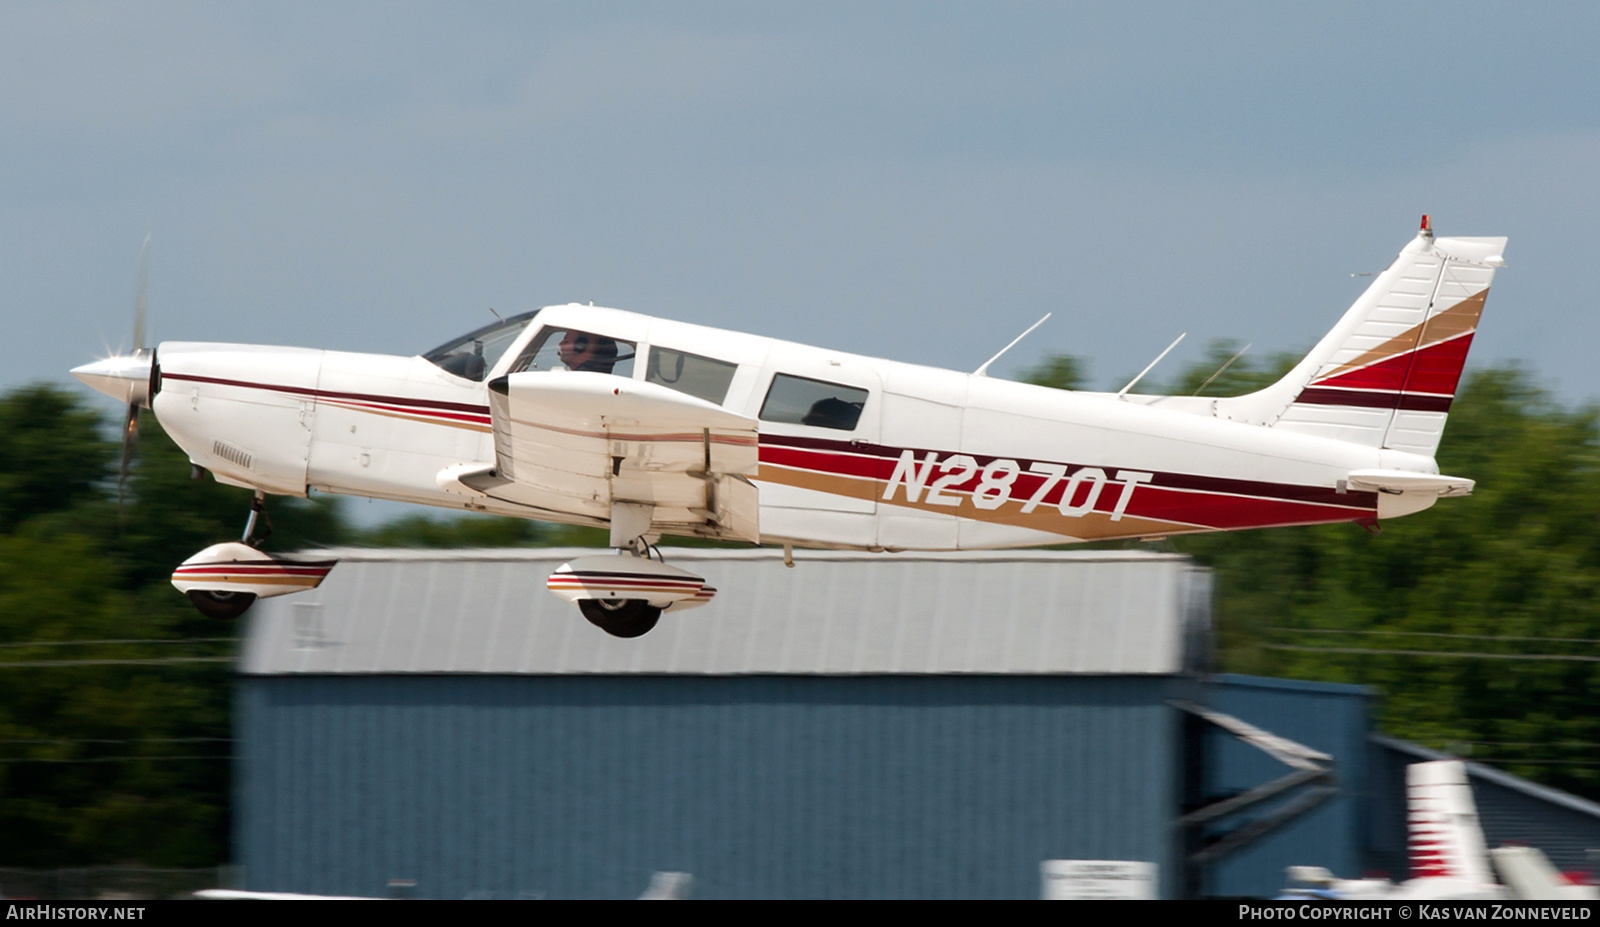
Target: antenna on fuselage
[
  {"x": 1222, "y": 369},
  {"x": 1121, "y": 393},
  {"x": 984, "y": 370}
]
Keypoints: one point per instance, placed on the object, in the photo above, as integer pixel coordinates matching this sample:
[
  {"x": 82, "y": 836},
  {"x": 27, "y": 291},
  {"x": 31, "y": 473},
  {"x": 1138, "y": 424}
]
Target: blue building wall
[
  {"x": 1329, "y": 717},
  {"x": 759, "y": 786}
]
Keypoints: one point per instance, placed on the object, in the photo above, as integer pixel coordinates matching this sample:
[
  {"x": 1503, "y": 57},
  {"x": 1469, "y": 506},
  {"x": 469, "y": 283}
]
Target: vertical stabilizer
[
  {"x": 1386, "y": 374},
  {"x": 1446, "y": 841}
]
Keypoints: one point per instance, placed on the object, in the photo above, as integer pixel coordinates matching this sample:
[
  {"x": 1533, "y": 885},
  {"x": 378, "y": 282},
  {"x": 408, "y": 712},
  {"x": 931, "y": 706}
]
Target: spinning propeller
[
  {"x": 127, "y": 376},
  {"x": 130, "y": 424}
]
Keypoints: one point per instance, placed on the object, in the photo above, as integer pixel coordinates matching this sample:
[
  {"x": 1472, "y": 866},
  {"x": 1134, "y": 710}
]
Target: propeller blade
[
  {"x": 130, "y": 439},
  {"x": 142, "y": 297}
]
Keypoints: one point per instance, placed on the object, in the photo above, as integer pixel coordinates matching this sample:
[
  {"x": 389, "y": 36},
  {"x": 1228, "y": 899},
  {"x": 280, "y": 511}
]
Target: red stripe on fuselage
[
  {"x": 1203, "y": 501},
  {"x": 877, "y": 462},
  {"x": 461, "y": 411}
]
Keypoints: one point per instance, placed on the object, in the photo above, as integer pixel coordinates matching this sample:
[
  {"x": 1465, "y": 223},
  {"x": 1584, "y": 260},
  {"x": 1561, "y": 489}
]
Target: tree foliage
[
  {"x": 1062, "y": 371},
  {"x": 53, "y": 456},
  {"x": 113, "y": 751},
  {"x": 462, "y": 531}
]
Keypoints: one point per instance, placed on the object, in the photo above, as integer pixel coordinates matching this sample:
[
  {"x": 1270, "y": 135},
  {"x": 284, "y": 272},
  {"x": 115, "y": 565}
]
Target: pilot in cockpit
[{"x": 586, "y": 351}]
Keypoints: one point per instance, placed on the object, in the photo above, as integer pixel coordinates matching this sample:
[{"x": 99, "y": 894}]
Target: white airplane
[{"x": 649, "y": 427}]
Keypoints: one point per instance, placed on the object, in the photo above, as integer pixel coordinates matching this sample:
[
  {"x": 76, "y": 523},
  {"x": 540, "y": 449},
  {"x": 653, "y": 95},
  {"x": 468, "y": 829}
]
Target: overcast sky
[{"x": 918, "y": 181}]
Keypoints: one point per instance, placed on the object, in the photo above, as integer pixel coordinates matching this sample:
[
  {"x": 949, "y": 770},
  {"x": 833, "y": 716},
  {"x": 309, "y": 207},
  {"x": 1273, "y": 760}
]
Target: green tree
[
  {"x": 109, "y": 751},
  {"x": 1061, "y": 371},
  {"x": 467, "y": 530},
  {"x": 1229, "y": 370},
  {"x": 53, "y": 457}
]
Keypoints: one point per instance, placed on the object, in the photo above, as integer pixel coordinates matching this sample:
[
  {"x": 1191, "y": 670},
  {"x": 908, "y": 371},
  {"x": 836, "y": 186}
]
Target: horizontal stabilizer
[
  {"x": 1527, "y": 872},
  {"x": 1403, "y": 481}
]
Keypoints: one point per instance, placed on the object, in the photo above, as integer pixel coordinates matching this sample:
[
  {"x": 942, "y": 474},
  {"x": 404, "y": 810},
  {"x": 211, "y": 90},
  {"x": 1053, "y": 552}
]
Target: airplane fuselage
[
  {"x": 932, "y": 460},
  {"x": 653, "y": 429}
]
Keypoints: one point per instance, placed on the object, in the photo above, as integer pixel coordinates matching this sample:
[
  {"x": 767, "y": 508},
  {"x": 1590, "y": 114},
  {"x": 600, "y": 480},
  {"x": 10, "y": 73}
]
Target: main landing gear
[
  {"x": 624, "y": 594},
  {"x": 620, "y": 617}
]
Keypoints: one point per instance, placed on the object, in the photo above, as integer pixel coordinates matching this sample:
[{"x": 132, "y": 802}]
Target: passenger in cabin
[
  {"x": 589, "y": 352},
  {"x": 833, "y": 412}
]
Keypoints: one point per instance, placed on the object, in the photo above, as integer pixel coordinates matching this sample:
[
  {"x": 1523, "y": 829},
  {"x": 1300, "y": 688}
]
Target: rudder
[{"x": 1386, "y": 374}]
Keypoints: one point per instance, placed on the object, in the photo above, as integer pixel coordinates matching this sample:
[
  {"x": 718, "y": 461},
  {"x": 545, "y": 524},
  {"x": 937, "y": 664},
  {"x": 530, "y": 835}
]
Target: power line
[
  {"x": 1475, "y": 637},
  {"x": 134, "y": 740},
  {"x": 11, "y": 664},
  {"x": 1518, "y": 743},
  {"x": 114, "y": 759},
  {"x": 153, "y": 640},
  {"x": 1470, "y": 655}
]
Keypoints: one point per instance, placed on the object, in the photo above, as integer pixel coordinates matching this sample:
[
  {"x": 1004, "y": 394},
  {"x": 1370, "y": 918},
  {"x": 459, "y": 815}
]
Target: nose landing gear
[
  {"x": 219, "y": 604},
  {"x": 225, "y": 579}
]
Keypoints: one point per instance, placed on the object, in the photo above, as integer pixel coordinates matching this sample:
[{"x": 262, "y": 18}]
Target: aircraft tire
[
  {"x": 221, "y": 605},
  {"x": 620, "y": 617}
]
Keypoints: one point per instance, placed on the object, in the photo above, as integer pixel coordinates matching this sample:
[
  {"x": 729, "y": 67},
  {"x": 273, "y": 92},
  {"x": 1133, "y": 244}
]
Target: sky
[{"x": 919, "y": 181}]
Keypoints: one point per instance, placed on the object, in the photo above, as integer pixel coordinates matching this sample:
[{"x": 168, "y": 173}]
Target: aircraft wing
[{"x": 621, "y": 451}]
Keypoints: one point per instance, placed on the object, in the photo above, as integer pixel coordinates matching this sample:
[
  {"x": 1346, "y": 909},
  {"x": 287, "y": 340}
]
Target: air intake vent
[{"x": 232, "y": 454}]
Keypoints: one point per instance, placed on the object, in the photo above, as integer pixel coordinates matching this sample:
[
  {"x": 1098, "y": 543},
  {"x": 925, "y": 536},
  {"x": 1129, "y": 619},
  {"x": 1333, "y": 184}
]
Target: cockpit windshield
[{"x": 473, "y": 355}]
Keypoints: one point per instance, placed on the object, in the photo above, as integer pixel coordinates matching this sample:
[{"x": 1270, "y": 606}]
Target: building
[{"x": 857, "y": 726}]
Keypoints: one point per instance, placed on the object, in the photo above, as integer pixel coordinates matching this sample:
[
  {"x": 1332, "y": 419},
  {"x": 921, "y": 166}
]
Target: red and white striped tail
[
  {"x": 1445, "y": 839},
  {"x": 1385, "y": 376}
]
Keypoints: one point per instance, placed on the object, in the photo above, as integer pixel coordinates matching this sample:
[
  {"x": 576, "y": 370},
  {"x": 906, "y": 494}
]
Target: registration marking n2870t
[{"x": 997, "y": 478}]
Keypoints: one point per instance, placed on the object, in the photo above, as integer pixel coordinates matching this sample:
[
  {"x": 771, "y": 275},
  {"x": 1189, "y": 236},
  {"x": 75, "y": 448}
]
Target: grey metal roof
[
  {"x": 1490, "y": 774},
  {"x": 488, "y": 611}
]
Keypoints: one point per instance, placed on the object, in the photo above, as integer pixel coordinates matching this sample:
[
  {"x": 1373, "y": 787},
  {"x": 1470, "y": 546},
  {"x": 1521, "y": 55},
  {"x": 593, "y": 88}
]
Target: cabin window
[
  {"x": 472, "y": 355},
  {"x": 574, "y": 349},
  {"x": 803, "y": 401},
  {"x": 701, "y": 377}
]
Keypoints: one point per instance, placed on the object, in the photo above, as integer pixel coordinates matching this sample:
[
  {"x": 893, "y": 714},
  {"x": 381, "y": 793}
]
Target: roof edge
[
  {"x": 380, "y": 554},
  {"x": 1490, "y": 774}
]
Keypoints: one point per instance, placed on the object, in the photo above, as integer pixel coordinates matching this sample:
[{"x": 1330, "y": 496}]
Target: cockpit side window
[
  {"x": 572, "y": 349},
  {"x": 701, "y": 377},
  {"x": 472, "y": 355},
  {"x": 804, "y": 401}
]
